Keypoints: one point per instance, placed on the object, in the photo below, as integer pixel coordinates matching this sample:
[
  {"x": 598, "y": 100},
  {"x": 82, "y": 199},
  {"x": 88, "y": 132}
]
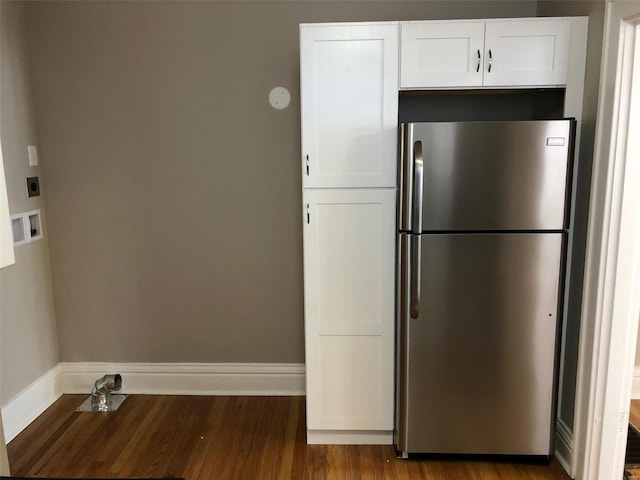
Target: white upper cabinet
[
  {"x": 491, "y": 53},
  {"x": 349, "y": 103}
]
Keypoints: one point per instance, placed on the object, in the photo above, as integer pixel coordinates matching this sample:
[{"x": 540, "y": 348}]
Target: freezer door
[
  {"x": 477, "y": 364},
  {"x": 485, "y": 175}
]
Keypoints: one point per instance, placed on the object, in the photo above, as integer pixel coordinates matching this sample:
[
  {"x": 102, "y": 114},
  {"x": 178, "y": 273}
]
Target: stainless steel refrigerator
[{"x": 482, "y": 233}]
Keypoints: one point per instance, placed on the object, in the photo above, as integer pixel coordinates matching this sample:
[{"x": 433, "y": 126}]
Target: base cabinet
[{"x": 349, "y": 313}]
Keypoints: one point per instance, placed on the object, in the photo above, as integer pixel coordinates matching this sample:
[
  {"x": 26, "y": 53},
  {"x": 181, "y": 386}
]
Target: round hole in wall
[{"x": 279, "y": 98}]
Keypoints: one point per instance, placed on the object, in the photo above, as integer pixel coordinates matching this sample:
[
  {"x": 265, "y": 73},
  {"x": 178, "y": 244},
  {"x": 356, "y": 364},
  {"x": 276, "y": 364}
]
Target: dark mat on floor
[
  {"x": 65, "y": 478},
  {"x": 632, "y": 457}
]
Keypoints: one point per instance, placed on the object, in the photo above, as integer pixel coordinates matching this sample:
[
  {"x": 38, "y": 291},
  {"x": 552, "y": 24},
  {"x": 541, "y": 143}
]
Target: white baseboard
[
  {"x": 278, "y": 379},
  {"x": 635, "y": 386},
  {"x": 25, "y": 407},
  {"x": 564, "y": 446},
  {"x": 190, "y": 378}
]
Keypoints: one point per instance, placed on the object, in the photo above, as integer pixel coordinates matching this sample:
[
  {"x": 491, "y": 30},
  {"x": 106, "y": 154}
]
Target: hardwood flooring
[
  {"x": 634, "y": 420},
  {"x": 634, "y": 414},
  {"x": 207, "y": 438}
]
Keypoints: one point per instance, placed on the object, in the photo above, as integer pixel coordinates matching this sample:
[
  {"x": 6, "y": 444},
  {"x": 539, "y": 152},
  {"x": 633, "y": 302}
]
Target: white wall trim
[
  {"x": 278, "y": 379},
  {"x": 564, "y": 445},
  {"x": 572, "y": 108},
  {"x": 25, "y": 407},
  {"x": 190, "y": 378},
  {"x": 611, "y": 304}
]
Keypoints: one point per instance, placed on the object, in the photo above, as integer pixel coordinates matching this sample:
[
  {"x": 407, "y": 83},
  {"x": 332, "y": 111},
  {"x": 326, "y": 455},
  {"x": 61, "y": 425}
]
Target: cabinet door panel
[
  {"x": 349, "y": 308},
  {"x": 349, "y": 84},
  {"x": 441, "y": 54},
  {"x": 527, "y": 52},
  {"x": 352, "y": 382}
]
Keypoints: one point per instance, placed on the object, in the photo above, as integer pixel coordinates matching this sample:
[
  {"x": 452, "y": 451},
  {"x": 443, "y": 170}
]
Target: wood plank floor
[
  {"x": 634, "y": 420},
  {"x": 634, "y": 414},
  {"x": 206, "y": 438}
]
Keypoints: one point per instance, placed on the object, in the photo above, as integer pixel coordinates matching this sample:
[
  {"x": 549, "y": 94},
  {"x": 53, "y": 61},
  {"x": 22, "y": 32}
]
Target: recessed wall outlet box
[
  {"x": 33, "y": 186},
  {"x": 32, "y": 151},
  {"x": 34, "y": 225},
  {"x": 26, "y": 227},
  {"x": 19, "y": 230}
]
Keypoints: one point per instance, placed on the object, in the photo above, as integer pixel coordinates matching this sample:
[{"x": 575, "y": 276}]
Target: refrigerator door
[
  {"x": 485, "y": 175},
  {"x": 476, "y": 367}
]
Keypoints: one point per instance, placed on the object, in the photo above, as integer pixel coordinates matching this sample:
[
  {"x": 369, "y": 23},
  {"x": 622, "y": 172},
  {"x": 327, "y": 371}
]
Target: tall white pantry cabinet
[
  {"x": 350, "y": 78},
  {"x": 349, "y": 92}
]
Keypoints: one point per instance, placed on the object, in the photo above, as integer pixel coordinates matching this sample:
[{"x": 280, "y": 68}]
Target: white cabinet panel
[
  {"x": 351, "y": 383},
  {"x": 527, "y": 52},
  {"x": 439, "y": 54},
  {"x": 349, "y": 103},
  {"x": 349, "y": 308},
  {"x": 350, "y": 270}
]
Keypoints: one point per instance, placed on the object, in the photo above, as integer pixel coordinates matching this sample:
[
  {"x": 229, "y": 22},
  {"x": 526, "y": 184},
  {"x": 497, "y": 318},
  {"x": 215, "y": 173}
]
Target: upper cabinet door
[
  {"x": 441, "y": 54},
  {"x": 349, "y": 103},
  {"x": 526, "y": 52}
]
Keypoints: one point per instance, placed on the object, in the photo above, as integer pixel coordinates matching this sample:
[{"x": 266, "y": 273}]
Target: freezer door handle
[
  {"x": 418, "y": 187},
  {"x": 416, "y": 262}
]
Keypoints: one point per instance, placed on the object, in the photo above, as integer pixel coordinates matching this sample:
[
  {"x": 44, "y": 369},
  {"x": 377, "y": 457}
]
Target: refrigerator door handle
[
  {"x": 414, "y": 279},
  {"x": 418, "y": 187},
  {"x": 416, "y": 241},
  {"x": 406, "y": 174}
]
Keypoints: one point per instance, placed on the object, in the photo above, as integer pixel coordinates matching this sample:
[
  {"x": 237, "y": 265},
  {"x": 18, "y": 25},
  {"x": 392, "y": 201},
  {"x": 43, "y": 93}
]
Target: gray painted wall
[
  {"x": 595, "y": 11},
  {"x": 28, "y": 340},
  {"x": 173, "y": 188}
]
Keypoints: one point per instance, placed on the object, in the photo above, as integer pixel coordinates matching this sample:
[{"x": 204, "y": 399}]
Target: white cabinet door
[
  {"x": 441, "y": 54},
  {"x": 349, "y": 308},
  {"x": 528, "y": 52},
  {"x": 349, "y": 104}
]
